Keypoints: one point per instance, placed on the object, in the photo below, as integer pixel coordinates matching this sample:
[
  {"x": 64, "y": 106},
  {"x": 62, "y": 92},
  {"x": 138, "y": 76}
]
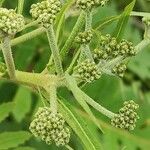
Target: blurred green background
[{"x": 109, "y": 91}]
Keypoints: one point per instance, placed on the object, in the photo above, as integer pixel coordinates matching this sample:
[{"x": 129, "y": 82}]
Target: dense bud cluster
[
  {"x": 10, "y": 22},
  {"x": 119, "y": 69},
  {"x": 127, "y": 116},
  {"x": 84, "y": 37},
  {"x": 88, "y": 71},
  {"x": 146, "y": 20},
  {"x": 110, "y": 48},
  {"x": 50, "y": 127},
  {"x": 45, "y": 12},
  {"x": 89, "y": 4}
]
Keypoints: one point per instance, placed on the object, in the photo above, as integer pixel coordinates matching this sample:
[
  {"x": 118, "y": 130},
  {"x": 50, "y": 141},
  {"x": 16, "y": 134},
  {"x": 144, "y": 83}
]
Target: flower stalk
[
  {"x": 55, "y": 50},
  {"x": 6, "y": 49}
]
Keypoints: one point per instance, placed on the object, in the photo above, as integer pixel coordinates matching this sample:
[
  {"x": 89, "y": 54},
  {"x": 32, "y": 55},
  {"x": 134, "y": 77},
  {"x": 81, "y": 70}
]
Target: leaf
[
  {"x": 120, "y": 29},
  {"x": 24, "y": 148},
  {"x": 80, "y": 97},
  {"x": 13, "y": 139},
  {"x": 79, "y": 128},
  {"x": 22, "y": 102},
  {"x": 5, "y": 109},
  {"x": 60, "y": 18},
  {"x": 1, "y": 2}
]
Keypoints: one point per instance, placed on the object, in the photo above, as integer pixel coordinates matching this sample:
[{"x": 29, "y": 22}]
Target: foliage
[{"x": 79, "y": 101}]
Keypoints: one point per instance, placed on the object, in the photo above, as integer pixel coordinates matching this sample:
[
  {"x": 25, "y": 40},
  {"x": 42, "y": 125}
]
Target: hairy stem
[
  {"x": 20, "y": 6},
  {"x": 78, "y": 26},
  {"x": 27, "y": 36},
  {"x": 53, "y": 99},
  {"x": 144, "y": 43},
  {"x": 55, "y": 50},
  {"x": 79, "y": 94},
  {"x": 6, "y": 49},
  {"x": 88, "y": 26},
  {"x": 36, "y": 79},
  {"x": 73, "y": 61}
]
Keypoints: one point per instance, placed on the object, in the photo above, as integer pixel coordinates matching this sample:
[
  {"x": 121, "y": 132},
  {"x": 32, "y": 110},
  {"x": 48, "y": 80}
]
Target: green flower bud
[
  {"x": 3, "y": 69},
  {"x": 89, "y": 4},
  {"x": 50, "y": 127},
  {"x": 88, "y": 71},
  {"x": 127, "y": 116},
  {"x": 84, "y": 37},
  {"x": 126, "y": 48},
  {"x": 119, "y": 69},
  {"x": 45, "y": 12},
  {"x": 10, "y": 22}
]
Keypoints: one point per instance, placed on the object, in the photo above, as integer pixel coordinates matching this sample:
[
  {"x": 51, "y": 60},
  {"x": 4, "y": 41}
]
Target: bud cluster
[
  {"x": 84, "y": 37},
  {"x": 146, "y": 20},
  {"x": 110, "y": 48},
  {"x": 88, "y": 71},
  {"x": 10, "y": 22},
  {"x": 119, "y": 69},
  {"x": 50, "y": 127},
  {"x": 89, "y": 4},
  {"x": 45, "y": 12},
  {"x": 127, "y": 116}
]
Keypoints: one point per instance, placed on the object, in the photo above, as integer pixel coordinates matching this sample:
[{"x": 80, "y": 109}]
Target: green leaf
[
  {"x": 120, "y": 29},
  {"x": 22, "y": 102},
  {"x": 24, "y": 148},
  {"x": 5, "y": 109},
  {"x": 60, "y": 18},
  {"x": 80, "y": 97},
  {"x": 81, "y": 129},
  {"x": 13, "y": 139}
]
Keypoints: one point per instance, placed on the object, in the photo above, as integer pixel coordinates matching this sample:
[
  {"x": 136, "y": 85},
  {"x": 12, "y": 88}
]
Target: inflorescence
[
  {"x": 89, "y": 4},
  {"x": 109, "y": 48},
  {"x": 127, "y": 116},
  {"x": 119, "y": 69},
  {"x": 50, "y": 127},
  {"x": 10, "y": 22},
  {"x": 45, "y": 12},
  {"x": 87, "y": 71},
  {"x": 84, "y": 37}
]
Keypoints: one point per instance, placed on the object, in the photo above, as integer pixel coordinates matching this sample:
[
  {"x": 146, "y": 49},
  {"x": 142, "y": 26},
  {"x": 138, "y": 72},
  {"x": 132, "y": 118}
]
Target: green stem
[
  {"x": 141, "y": 14},
  {"x": 87, "y": 52},
  {"x": 88, "y": 26},
  {"x": 79, "y": 94},
  {"x": 20, "y": 6},
  {"x": 6, "y": 49},
  {"x": 27, "y": 36},
  {"x": 53, "y": 99},
  {"x": 78, "y": 26},
  {"x": 68, "y": 147},
  {"x": 36, "y": 79},
  {"x": 1, "y": 2},
  {"x": 55, "y": 50},
  {"x": 69, "y": 69},
  {"x": 144, "y": 43}
]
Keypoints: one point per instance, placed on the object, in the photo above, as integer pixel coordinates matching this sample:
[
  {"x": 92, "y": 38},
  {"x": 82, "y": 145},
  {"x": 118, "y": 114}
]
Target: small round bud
[
  {"x": 119, "y": 69},
  {"x": 127, "y": 116},
  {"x": 84, "y": 37},
  {"x": 10, "y": 22},
  {"x": 45, "y": 12},
  {"x": 88, "y": 71},
  {"x": 89, "y": 4},
  {"x": 3, "y": 69},
  {"x": 50, "y": 127}
]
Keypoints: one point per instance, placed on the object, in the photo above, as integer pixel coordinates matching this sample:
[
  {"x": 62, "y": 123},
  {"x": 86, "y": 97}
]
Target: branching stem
[{"x": 55, "y": 50}]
